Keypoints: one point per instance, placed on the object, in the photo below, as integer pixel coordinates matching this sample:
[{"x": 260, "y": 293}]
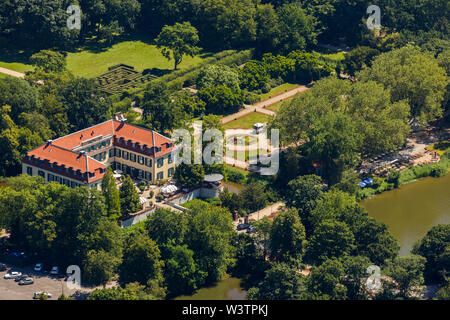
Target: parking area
[{"x": 11, "y": 290}]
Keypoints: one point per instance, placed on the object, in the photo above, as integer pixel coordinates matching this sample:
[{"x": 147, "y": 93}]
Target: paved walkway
[
  {"x": 12, "y": 73},
  {"x": 267, "y": 211},
  {"x": 259, "y": 106}
]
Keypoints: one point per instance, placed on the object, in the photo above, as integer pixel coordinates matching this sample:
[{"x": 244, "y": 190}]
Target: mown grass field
[
  {"x": 276, "y": 107},
  {"x": 277, "y": 90},
  {"x": 247, "y": 121},
  {"x": 138, "y": 54},
  {"x": 16, "y": 66}
]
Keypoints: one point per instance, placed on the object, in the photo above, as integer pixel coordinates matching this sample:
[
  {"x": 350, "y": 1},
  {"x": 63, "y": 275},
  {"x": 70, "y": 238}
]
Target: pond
[
  {"x": 233, "y": 187},
  {"x": 226, "y": 289},
  {"x": 411, "y": 210}
]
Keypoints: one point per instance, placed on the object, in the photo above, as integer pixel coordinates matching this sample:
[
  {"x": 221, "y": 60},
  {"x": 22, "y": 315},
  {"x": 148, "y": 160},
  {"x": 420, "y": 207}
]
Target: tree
[
  {"x": 180, "y": 270},
  {"x": 129, "y": 197},
  {"x": 249, "y": 260},
  {"x": 358, "y": 58},
  {"x": 132, "y": 291},
  {"x": 372, "y": 238},
  {"x": 407, "y": 272},
  {"x": 281, "y": 282},
  {"x": 326, "y": 281},
  {"x": 297, "y": 30},
  {"x": 253, "y": 197},
  {"x": 161, "y": 113},
  {"x": 178, "y": 40},
  {"x": 434, "y": 246},
  {"x": 166, "y": 226},
  {"x": 333, "y": 143},
  {"x": 227, "y": 23},
  {"x": 99, "y": 267},
  {"x": 263, "y": 229},
  {"x": 267, "y": 32},
  {"x": 230, "y": 200},
  {"x": 330, "y": 240},
  {"x": 20, "y": 95},
  {"x": 49, "y": 61},
  {"x": 254, "y": 76},
  {"x": 141, "y": 261},
  {"x": 210, "y": 236},
  {"x": 303, "y": 194},
  {"x": 111, "y": 194},
  {"x": 308, "y": 67},
  {"x": 189, "y": 175},
  {"x": 287, "y": 237},
  {"x": 413, "y": 76},
  {"x": 84, "y": 103},
  {"x": 355, "y": 268},
  {"x": 221, "y": 99},
  {"x": 218, "y": 75}
]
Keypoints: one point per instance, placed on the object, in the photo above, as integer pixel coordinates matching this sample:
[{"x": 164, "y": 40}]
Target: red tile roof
[
  {"x": 75, "y": 139},
  {"x": 60, "y": 156},
  {"x": 60, "y": 152}
]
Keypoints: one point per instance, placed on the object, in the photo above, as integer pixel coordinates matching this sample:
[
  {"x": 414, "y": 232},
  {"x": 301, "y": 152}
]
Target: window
[
  {"x": 41, "y": 173},
  {"x": 140, "y": 160},
  {"x": 119, "y": 153},
  {"x": 160, "y": 175},
  {"x": 30, "y": 171},
  {"x": 133, "y": 157},
  {"x": 170, "y": 172},
  {"x": 111, "y": 153},
  {"x": 160, "y": 162},
  {"x": 148, "y": 162},
  {"x": 148, "y": 176},
  {"x": 169, "y": 158}
]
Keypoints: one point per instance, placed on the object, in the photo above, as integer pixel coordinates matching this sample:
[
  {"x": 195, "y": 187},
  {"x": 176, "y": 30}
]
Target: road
[
  {"x": 267, "y": 211},
  {"x": 260, "y": 106},
  {"x": 12, "y": 73}
]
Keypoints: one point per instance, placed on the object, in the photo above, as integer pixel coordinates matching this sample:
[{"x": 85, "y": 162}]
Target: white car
[
  {"x": 12, "y": 275},
  {"x": 38, "y": 267},
  {"x": 37, "y": 294},
  {"x": 55, "y": 270}
]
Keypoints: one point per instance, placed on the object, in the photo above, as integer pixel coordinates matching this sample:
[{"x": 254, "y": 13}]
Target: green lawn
[
  {"x": 277, "y": 106},
  {"x": 16, "y": 66},
  {"x": 277, "y": 90},
  {"x": 335, "y": 57},
  {"x": 247, "y": 121},
  {"x": 138, "y": 54}
]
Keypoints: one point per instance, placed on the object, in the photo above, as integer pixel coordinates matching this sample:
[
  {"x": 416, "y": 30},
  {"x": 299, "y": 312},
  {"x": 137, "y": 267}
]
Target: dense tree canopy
[{"x": 413, "y": 76}]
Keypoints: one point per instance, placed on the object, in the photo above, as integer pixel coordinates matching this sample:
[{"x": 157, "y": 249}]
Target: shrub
[
  {"x": 250, "y": 97},
  {"x": 235, "y": 176},
  {"x": 438, "y": 171}
]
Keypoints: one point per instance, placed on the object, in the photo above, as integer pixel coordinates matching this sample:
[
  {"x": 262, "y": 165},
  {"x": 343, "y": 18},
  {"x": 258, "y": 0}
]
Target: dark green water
[
  {"x": 226, "y": 289},
  {"x": 411, "y": 210}
]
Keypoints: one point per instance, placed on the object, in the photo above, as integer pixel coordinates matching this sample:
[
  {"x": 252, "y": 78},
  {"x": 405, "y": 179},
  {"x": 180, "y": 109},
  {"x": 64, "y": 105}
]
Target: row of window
[
  {"x": 98, "y": 146},
  {"x": 139, "y": 159},
  {"x": 101, "y": 156},
  {"x": 52, "y": 177}
]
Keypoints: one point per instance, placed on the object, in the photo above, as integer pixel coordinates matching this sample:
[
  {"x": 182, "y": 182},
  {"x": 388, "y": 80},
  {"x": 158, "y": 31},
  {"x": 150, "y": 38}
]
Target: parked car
[
  {"x": 242, "y": 226},
  {"x": 23, "y": 276},
  {"x": 26, "y": 281},
  {"x": 38, "y": 267},
  {"x": 12, "y": 275},
  {"x": 37, "y": 294},
  {"x": 54, "y": 271},
  {"x": 250, "y": 229},
  {"x": 3, "y": 267}
]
